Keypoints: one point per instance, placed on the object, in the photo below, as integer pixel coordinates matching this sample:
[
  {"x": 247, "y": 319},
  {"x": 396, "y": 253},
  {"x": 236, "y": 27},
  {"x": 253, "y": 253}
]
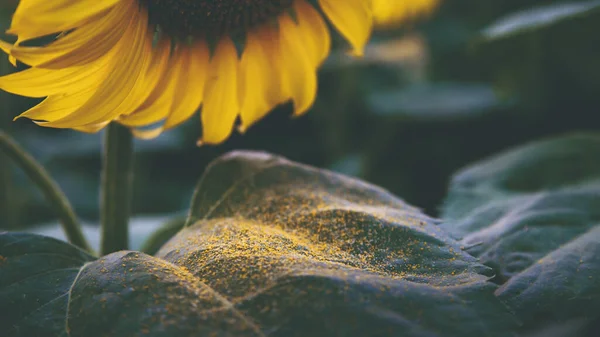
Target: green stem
[
  {"x": 153, "y": 243},
  {"x": 116, "y": 188},
  {"x": 50, "y": 189},
  {"x": 7, "y": 207}
]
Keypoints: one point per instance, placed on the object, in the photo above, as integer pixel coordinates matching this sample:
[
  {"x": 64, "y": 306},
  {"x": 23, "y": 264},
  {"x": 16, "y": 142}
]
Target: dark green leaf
[
  {"x": 133, "y": 294},
  {"x": 550, "y": 165},
  {"x": 280, "y": 249},
  {"x": 36, "y": 274},
  {"x": 565, "y": 283},
  {"x": 274, "y": 248},
  {"x": 532, "y": 214}
]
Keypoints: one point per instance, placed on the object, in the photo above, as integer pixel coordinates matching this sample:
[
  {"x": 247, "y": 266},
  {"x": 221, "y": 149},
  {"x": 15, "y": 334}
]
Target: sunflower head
[{"x": 145, "y": 63}]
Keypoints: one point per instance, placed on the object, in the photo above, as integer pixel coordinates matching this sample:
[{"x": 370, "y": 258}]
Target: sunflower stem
[
  {"x": 49, "y": 188},
  {"x": 116, "y": 188},
  {"x": 7, "y": 206}
]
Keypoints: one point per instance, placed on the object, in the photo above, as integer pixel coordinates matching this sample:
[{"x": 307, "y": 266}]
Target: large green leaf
[
  {"x": 36, "y": 274},
  {"x": 532, "y": 214},
  {"x": 274, "y": 248}
]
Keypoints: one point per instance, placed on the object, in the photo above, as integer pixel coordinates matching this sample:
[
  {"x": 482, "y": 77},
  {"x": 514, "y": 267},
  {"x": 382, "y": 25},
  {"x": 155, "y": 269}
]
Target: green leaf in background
[
  {"x": 539, "y": 167},
  {"x": 545, "y": 58},
  {"x": 538, "y": 18},
  {"x": 36, "y": 274},
  {"x": 440, "y": 101},
  {"x": 532, "y": 214}
]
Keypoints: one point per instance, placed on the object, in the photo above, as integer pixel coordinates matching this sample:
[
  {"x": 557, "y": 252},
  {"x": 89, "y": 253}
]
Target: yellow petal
[
  {"x": 190, "y": 88},
  {"x": 81, "y": 46},
  {"x": 180, "y": 94},
  {"x": 56, "y": 107},
  {"x": 92, "y": 128},
  {"x": 160, "y": 91},
  {"x": 36, "y": 18},
  {"x": 118, "y": 93},
  {"x": 221, "y": 99},
  {"x": 299, "y": 70},
  {"x": 314, "y": 31},
  {"x": 157, "y": 70},
  {"x": 5, "y": 46},
  {"x": 268, "y": 37},
  {"x": 147, "y": 134},
  {"x": 36, "y": 82},
  {"x": 353, "y": 18},
  {"x": 255, "y": 82}
]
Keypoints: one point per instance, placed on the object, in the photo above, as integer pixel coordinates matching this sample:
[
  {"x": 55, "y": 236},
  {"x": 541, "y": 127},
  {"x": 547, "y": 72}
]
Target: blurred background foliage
[{"x": 475, "y": 78}]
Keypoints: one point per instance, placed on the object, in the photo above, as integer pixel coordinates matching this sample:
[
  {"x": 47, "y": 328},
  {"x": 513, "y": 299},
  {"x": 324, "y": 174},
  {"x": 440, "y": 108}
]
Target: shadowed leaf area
[
  {"x": 532, "y": 214},
  {"x": 275, "y": 248},
  {"x": 36, "y": 274}
]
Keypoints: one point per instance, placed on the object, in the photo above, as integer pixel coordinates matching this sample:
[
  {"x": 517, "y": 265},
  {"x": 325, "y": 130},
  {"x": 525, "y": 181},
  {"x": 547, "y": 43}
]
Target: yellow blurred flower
[
  {"x": 156, "y": 62},
  {"x": 393, "y": 12}
]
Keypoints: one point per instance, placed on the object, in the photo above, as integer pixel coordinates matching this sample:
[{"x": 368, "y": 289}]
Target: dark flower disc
[{"x": 211, "y": 18}]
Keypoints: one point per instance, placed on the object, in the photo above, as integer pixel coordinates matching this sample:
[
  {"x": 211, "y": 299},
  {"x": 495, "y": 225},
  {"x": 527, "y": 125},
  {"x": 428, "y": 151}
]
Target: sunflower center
[{"x": 212, "y": 18}]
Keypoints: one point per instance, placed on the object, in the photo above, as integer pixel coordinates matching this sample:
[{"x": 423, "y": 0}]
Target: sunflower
[{"x": 151, "y": 64}]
